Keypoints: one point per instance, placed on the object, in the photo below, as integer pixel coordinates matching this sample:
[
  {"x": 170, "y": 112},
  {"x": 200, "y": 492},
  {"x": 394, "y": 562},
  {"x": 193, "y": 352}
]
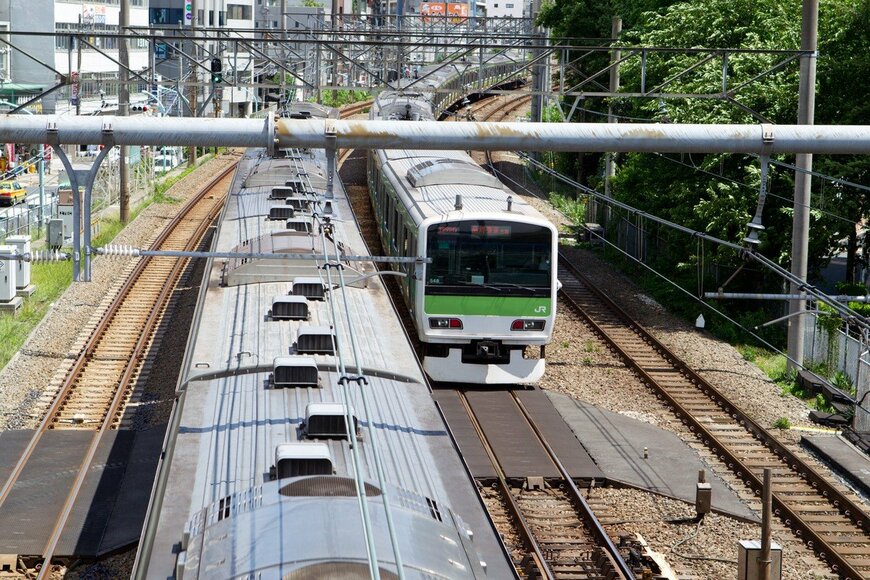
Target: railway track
[
  {"x": 829, "y": 522},
  {"x": 92, "y": 397},
  {"x": 355, "y": 108},
  {"x": 549, "y": 528},
  {"x": 346, "y": 112}
]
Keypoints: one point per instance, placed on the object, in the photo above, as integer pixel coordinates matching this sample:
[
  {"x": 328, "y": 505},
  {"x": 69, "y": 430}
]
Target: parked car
[{"x": 11, "y": 192}]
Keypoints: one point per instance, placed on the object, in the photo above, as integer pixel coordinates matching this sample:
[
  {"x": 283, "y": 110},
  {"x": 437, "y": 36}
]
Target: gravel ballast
[{"x": 30, "y": 379}]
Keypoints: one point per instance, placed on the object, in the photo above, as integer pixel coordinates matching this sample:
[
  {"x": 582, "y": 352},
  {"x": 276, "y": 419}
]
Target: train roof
[
  {"x": 251, "y": 390},
  {"x": 433, "y": 179}
]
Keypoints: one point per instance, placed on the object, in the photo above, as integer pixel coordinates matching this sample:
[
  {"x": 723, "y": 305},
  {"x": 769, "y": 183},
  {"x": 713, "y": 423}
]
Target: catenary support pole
[
  {"x": 41, "y": 212},
  {"x": 191, "y": 154},
  {"x": 803, "y": 180},
  {"x": 77, "y": 203},
  {"x": 124, "y": 111}
]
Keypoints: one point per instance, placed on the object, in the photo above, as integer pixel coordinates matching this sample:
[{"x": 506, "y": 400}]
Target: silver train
[
  {"x": 488, "y": 291},
  {"x": 304, "y": 443}
]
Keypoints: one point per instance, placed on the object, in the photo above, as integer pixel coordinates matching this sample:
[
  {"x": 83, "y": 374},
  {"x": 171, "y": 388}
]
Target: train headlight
[
  {"x": 454, "y": 323},
  {"x": 527, "y": 325}
]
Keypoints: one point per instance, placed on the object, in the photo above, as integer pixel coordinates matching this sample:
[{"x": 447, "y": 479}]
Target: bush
[{"x": 782, "y": 423}]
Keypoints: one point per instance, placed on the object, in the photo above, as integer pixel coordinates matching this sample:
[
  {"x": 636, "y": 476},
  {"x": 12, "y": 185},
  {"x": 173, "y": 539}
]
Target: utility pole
[
  {"x": 283, "y": 53},
  {"x": 802, "y": 182},
  {"x": 124, "y": 109},
  {"x": 79, "y": 67},
  {"x": 609, "y": 165},
  {"x": 194, "y": 74}
]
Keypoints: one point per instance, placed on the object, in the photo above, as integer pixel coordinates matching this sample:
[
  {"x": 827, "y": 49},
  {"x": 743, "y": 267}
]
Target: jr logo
[{"x": 541, "y": 310}]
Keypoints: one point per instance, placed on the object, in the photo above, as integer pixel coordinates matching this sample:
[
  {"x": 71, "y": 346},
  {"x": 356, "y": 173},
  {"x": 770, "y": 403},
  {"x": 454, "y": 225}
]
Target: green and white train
[{"x": 489, "y": 292}]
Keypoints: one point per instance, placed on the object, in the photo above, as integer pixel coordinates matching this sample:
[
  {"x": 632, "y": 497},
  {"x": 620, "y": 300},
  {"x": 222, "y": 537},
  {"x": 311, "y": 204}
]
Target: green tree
[{"x": 717, "y": 193}]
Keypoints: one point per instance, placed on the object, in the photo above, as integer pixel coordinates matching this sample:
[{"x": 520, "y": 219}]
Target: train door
[{"x": 411, "y": 246}]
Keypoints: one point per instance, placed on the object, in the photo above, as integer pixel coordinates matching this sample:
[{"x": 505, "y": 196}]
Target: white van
[{"x": 165, "y": 162}]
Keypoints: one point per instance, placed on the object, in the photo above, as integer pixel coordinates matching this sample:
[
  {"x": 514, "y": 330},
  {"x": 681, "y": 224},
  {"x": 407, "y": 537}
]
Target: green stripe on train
[{"x": 487, "y": 305}]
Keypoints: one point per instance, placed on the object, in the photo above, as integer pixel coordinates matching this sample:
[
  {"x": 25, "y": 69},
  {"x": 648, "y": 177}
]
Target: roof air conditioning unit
[
  {"x": 300, "y": 204},
  {"x": 299, "y": 225},
  {"x": 315, "y": 340},
  {"x": 281, "y": 212},
  {"x": 295, "y": 371},
  {"x": 289, "y": 308},
  {"x": 302, "y": 458},
  {"x": 311, "y": 288},
  {"x": 328, "y": 420},
  {"x": 282, "y": 192}
]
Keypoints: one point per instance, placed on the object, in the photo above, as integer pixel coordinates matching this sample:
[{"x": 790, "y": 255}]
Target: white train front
[{"x": 488, "y": 289}]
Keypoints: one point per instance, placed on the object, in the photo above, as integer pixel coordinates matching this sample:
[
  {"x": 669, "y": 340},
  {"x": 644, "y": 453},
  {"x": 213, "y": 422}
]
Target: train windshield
[{"x": 489, "y": 257}]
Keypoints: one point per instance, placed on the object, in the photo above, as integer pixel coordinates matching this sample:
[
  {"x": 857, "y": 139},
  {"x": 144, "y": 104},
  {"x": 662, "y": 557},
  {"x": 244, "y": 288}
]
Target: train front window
[{"x": 489, "y": 257}]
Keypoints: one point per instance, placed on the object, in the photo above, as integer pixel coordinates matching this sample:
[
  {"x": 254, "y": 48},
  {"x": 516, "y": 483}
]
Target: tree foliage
[{"x": 717, "y": 194}]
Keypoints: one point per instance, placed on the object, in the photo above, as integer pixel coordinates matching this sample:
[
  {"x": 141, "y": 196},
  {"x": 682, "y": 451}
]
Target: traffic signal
[
  {"x": 138, "y": 108},
  {"x": 216, "y": 67}
]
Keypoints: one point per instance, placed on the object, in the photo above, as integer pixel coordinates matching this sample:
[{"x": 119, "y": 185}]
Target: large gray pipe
[
  {"x": 140, "y": 130},
  {"x": 650, "y": 137}
]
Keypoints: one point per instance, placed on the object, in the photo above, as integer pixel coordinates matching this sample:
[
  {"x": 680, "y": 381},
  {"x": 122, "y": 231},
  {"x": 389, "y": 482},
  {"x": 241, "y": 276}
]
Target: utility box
[
  {"x": 8, "y": 290},
  {"x": 55, "y": 233},
  {"x": 747, "y": 560},
  {"x": 22, "y": 274}
]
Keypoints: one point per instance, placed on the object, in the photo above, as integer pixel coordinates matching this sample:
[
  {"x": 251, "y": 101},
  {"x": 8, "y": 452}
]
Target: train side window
[
  {"x": 388, "y": 214},
  {"x": 395, "y": 228}
]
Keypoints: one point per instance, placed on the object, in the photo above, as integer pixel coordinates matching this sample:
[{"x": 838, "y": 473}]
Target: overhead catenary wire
[
  {"x": 701, "y": 235},
  {"x": 790, "y": 166},
  {"x": 844, "y": 311},
  {"x": 335, "y": 262},
  {"x": 371, "y": 550},
  {"x": 362, "y": 383}
]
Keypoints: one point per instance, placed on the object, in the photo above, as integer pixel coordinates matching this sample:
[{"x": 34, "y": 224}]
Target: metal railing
[{"x": 26, "y": 221}]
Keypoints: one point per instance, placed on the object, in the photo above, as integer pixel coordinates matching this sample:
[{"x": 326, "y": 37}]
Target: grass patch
[
  {"x": 52, "y": 278},
  {"x": 774, "y": 366},
  {"x": 782, "y": 423}
]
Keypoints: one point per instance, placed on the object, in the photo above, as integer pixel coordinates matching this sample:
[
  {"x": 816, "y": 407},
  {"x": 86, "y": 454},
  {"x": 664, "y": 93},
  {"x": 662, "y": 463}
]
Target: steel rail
[
  {"x": 393, "y": 294},
  {"x": 598, "y": 532},
  {"x": 792, "y": 519},
  {"x": 522, "y": 525},
  {"x": 59, "y": 399},
  {"x": 141, "y": 343}
]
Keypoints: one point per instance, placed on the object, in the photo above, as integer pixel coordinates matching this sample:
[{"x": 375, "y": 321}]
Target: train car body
[
  {"x": 304, "y": 439},
  {"x": 488, "y": 289}
]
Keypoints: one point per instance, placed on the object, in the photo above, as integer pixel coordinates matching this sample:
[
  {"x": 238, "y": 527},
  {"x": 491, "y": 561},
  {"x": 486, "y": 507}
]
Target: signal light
[
  {"x": 139, "y": 108},
  {"x": 216, "y": 68}
]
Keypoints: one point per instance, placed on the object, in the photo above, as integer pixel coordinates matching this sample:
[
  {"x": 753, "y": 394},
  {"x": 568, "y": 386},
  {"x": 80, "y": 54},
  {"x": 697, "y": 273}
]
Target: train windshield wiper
[
  {"x": 512, "y": 285},
  {"x": 481, "y": 284}
]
